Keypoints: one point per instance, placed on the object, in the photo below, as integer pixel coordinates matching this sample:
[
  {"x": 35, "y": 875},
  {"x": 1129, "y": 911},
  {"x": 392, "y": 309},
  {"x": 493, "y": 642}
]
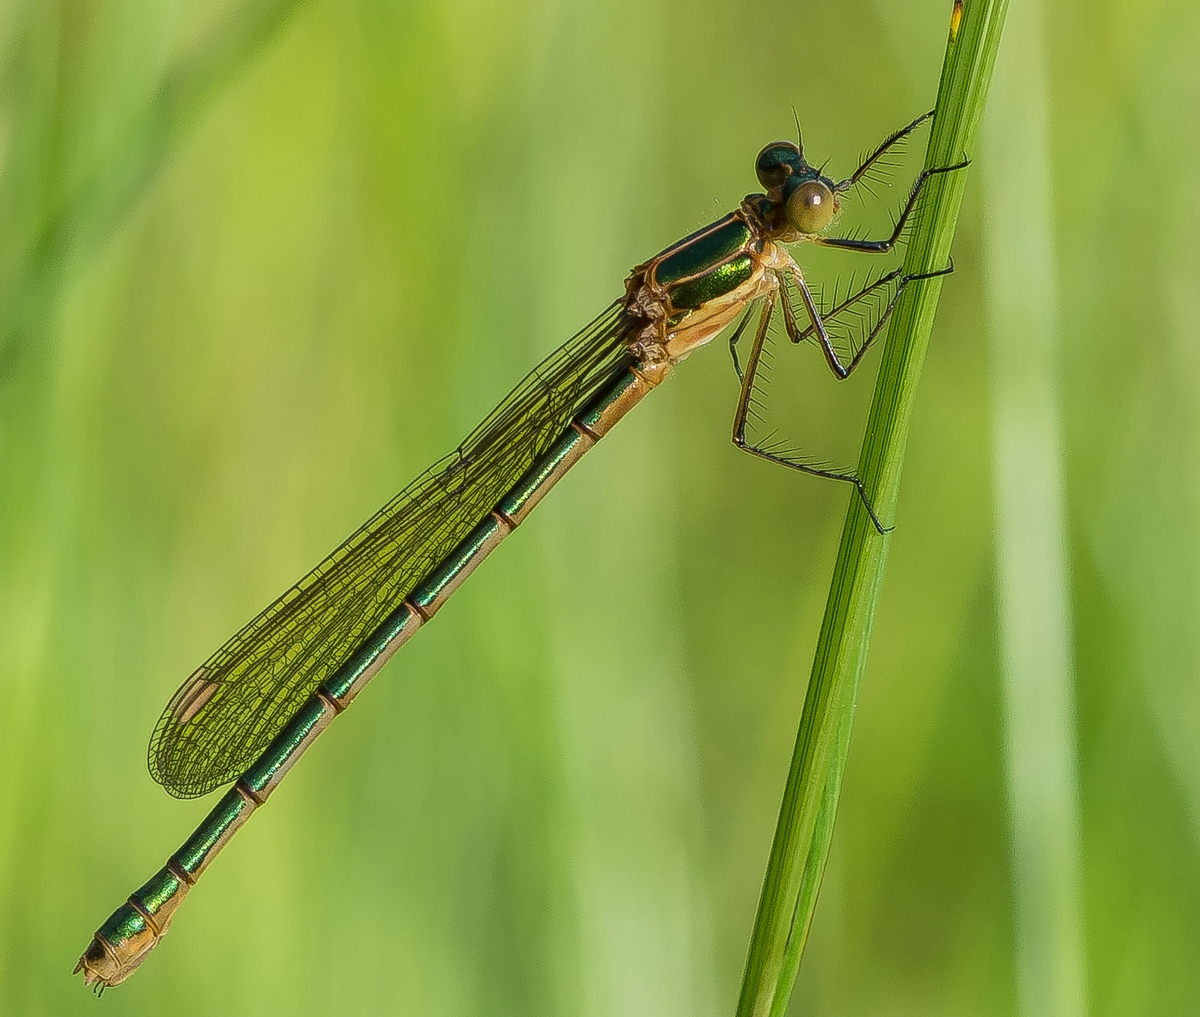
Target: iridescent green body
[{"x": 440, "y": 528}]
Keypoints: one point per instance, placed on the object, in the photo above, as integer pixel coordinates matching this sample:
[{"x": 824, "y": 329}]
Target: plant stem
[
  {"x": 805, "y": 828},
  {"x": 1033, "y": 580}
]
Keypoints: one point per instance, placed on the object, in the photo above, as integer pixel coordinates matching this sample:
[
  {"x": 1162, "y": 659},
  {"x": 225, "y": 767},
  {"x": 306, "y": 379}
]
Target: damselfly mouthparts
[{"x": 249, "y": 712}]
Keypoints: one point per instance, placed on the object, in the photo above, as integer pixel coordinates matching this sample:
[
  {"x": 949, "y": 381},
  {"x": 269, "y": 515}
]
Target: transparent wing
[{"x": 228, "y": 711}]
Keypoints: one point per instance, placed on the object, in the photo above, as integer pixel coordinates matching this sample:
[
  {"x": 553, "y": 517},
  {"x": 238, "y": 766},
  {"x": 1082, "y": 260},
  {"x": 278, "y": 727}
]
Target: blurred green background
[{"x": 261, "y": 262}]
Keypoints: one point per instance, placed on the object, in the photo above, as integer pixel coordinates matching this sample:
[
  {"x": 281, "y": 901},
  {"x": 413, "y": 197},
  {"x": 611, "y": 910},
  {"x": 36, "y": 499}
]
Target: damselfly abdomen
[{"x": 248, "y": 713}]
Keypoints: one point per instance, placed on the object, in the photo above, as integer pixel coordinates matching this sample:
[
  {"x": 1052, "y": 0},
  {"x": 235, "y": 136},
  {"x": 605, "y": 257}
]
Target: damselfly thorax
[{"x": 695, "y": 289}]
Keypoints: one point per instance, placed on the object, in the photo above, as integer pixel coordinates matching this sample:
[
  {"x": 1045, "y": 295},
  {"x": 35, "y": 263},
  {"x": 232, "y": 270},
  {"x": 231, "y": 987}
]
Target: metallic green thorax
[
  {"x": 707, "y": 264},
  {"x": 701, "y": 251}
]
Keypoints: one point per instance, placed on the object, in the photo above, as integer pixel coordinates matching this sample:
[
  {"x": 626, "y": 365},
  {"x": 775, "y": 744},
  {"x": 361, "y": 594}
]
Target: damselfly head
[{"x": 809, "y": 198}]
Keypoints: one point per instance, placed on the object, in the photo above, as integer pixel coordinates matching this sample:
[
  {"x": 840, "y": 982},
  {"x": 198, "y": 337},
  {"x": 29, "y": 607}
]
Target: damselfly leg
[
  {"x": 818, "y": 326},
  {"x": 889, "y": 287},
  {"x": 862, "y": 173},
  {"x": 885, "y": 245},
  {"x": 872, "y": 161},
  {"x": 735, "y": 337},
  {"x": 777, "y": 454}
]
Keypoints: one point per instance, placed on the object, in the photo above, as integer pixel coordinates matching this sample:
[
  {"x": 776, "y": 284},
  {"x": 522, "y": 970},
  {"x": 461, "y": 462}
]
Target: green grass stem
[
  {"x": 1033, "y": 572},
  {"x": 805, "y": 827}
]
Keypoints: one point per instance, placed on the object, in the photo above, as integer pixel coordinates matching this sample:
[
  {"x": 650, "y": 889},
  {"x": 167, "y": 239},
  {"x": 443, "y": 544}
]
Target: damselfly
[{"x": 255, "y": 705}]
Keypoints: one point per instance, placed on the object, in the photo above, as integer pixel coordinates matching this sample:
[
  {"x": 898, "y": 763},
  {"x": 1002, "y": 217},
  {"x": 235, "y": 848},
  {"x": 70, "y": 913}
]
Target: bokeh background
[{"x": 261, "y": 262}]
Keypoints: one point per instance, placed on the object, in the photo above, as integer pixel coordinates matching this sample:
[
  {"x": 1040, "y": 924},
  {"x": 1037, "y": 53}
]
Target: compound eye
[
  {"x": 776, "y": 163},
  {"x": 810, "y": 207}
]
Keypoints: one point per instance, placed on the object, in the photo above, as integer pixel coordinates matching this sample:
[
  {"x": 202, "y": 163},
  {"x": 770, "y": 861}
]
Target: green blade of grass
[
  {"x": 806, "y": 816},
  {"x": 1033, "y": 580}
]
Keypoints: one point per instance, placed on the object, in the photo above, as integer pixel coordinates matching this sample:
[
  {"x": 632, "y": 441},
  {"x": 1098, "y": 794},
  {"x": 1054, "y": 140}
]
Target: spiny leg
[
  {"x": 818, "y": 320},
  {"x": 743, "y": 409},
  {"x": 828, "y": 317},
  {"x": 760, "y": 335},
  {"x": 892, "y": 139},
  {"x": 735, "y": 336},
  {"x": 883, "y": 246},
  {"x": 818, "y": 323}
]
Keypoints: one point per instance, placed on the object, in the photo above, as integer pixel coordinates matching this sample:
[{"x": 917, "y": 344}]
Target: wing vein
[{"x": 250, "y": 687}]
